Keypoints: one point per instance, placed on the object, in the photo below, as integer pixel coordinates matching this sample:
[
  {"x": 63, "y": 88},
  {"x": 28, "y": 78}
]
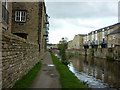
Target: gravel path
[{"x": 48, "y": 76}]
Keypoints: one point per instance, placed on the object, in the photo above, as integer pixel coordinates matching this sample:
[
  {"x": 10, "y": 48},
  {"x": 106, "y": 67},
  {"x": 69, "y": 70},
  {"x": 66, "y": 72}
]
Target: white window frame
[
  {"x": 87, "y": 38},
  {"x": 92, "y": 36},
  {"x": 21, "y": 15},
  {"x": 103, "y": 34},
  {"x": 96, "y": 35},
  {"x": 108, "y": 31}
]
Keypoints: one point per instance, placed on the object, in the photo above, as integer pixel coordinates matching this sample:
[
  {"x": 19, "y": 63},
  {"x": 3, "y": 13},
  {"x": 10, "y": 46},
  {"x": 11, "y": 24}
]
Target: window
[
  {"x": 92, "y": 36},
  {"x": 5, "y": 13},
  {"x": 113, "y": 37},
  {"x": 20, "y": 16},
  {"x": 22, "y": 35},
  {"x": 5, "y": 3},
  {"x": 103, "y": 34},
  {"x": 108, "y": 31},
  {"x": 96, "y": 36},
  {"x": 87, "y": 38}
]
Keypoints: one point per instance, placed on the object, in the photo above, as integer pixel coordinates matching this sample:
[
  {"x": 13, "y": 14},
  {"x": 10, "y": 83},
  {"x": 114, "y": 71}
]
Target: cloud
[
  {"x": 82, "y": 0},
  {"x": 71, "y": 18},
  {"x": 82, "y": 9},
  {"x": 70, "y": 27}
]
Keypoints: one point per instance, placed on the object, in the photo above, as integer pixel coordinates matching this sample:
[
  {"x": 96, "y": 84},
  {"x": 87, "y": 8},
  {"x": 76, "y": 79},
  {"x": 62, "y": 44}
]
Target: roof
[
  {"x": 82, "y": 34},
  {"x": 115, "y": 32}
]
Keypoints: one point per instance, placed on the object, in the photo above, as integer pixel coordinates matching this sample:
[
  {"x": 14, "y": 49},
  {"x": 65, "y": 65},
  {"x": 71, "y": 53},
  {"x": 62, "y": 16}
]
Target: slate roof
[{"x": 115, "y": 32}]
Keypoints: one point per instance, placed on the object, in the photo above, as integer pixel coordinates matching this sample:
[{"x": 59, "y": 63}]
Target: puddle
[
  {"x": 52, "y": 75},
  {"x": 50, "y": 65}
]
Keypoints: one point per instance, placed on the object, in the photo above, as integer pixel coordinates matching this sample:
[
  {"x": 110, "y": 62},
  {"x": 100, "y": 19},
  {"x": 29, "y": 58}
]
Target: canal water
[{"x": 96, "y": 72}]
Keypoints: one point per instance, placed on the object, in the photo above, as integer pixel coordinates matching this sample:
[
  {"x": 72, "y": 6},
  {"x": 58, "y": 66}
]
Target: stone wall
[
  {"x": 30, "y": 27},
  {"x": 18, "y": 57},
  {"x": 106, "y": 53}
]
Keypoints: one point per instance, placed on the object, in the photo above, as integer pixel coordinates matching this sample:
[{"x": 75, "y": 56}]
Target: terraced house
[
  {"x": 24, "y": 32},
  {"x": 78, "y": 41},
  {"x": 105, "y": 40},
  {"x": 99, "y": 37}
]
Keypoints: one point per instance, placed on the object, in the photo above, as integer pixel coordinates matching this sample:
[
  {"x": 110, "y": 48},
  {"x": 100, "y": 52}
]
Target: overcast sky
[{"x": 68, "y": 19}]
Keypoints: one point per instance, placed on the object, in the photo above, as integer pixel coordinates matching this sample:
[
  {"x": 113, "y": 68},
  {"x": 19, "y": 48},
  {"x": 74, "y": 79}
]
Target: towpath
[{"x": 48, "y": 76}]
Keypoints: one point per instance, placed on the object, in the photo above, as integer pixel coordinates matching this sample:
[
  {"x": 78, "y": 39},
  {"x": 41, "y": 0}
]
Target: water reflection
[{"x": 101, "y": 69}]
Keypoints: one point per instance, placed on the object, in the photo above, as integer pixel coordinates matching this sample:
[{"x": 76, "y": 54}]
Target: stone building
[
  {"x": 114, "y": 43},
  {"x": 114, "y": 38},
  {"x": 105, "y": 43},
  {"x": 5, "y": 26},
  {"x": 99, "y": 38},
  {"x": 29, "y": 21},
  {"x": 86, "y": 41},
  {"x": 44, "y": 29},
  {"x": 23, "y": 35},
  {"x": 77, "y": 42},
  {"x": 5, "y": 16},
  {"x": 70, "y": 45}
]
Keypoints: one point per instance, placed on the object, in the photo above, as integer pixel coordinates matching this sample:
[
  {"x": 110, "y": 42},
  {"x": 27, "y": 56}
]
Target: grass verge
[
  {"x": 27, "y": 79},
  {"x": 67, "y": 78}
]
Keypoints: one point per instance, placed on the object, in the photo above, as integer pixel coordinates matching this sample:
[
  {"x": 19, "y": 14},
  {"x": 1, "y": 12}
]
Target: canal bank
[
  {"x": 105, "y": 53},
  {"x": 96, "y": 72},
  {"x": 67, "y": 78}
]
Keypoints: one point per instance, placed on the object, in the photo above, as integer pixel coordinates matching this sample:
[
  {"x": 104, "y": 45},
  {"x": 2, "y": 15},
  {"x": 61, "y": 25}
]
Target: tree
[{"x": 62, "y": 46}]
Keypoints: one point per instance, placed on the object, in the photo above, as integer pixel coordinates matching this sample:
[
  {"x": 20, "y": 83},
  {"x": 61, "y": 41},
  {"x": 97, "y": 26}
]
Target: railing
[
  {"x": 86, "y": 46},
  {"x": 5, "y": 14},
  {"x": 46, "y": 33},
  {"x": 103, "y": 44},
  {"x": 47, "y": 22},
  {"x": 96, "y": 43},
  {"x": 92, "y": 43}
]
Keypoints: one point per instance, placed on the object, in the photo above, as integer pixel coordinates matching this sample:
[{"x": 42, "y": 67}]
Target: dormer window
[{"x": 20, "y": 16}]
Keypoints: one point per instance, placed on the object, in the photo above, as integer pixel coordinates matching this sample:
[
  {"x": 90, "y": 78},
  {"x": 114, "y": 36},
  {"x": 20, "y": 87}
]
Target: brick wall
[{"x": 18, "y": 57}]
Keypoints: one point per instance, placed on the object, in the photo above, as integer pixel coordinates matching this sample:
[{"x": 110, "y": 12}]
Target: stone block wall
[
  {"x": 106, "y": 53},
  {"x": 18, "y": 57},
  {"x": 30, "y": 27}
]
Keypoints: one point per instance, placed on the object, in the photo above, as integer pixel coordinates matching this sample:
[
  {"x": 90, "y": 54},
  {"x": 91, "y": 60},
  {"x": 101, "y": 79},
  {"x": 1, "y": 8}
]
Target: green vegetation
[
  {"x": 70, "y": 55},
  {"x": 67, "y": 78},
  {"x": 27, "y": 79},
  {"x": 62, "y": 46},
  {"x": 108, "y": 57}
]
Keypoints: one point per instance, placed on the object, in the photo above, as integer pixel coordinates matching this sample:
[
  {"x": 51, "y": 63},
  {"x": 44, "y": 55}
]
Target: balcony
[
  {"x": 46, "y": 22},
  {"x": 47, "y": 17},
  {"x": 5, "y": 14},
  {"x": 92, "y": 44},
  {"x": 86, "y": 46},
  {"x": 103, "y": 44},
  {"x": 96, "y": 43},
  {"x": 46, "y": 33}
]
